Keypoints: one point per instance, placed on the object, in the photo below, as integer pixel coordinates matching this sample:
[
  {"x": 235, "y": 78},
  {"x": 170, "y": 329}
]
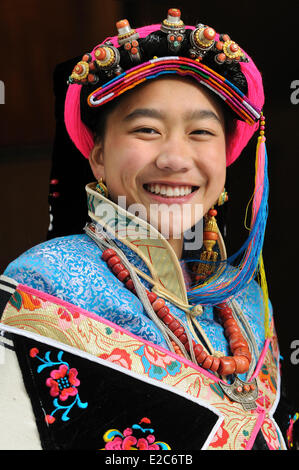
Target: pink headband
[{"x": 82, "y": 136}]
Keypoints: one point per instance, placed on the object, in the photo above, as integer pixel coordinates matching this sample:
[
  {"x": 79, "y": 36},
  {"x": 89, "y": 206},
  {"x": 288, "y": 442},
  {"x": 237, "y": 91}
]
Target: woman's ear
[{"x": 96, "y": 160}]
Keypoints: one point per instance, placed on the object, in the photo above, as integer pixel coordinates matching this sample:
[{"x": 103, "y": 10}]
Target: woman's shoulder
[{"x": 55, "y": 258}]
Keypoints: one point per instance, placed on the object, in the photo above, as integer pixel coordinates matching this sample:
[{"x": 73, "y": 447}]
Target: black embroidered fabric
[{"x": 114, "y": 400}]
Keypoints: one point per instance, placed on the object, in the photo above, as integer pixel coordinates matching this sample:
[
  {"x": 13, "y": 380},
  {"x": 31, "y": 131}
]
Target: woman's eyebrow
[
  {"x": 145, "y": 112},
  {"x": 200, "y": 114}
]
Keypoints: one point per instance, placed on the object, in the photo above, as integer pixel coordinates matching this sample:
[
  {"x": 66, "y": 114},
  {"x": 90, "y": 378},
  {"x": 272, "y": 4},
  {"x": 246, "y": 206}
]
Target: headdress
[{"x": 215, "y": 61}]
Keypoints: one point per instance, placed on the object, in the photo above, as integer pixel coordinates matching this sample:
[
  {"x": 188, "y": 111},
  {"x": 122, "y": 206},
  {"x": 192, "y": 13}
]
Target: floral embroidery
[
  {"x": 66, "y": 318},
  {"x": 63, "y": 384},
  {"x": 126, "y": 440},
  {"x": 120, "y": 357},
  {"x": 268, "y": 379},
  {"x": 21, "y": 299},
  {"x": 157, "y": 364},
  {"x": 220, "y": 438},
  {"x": 270, "y": 434}
]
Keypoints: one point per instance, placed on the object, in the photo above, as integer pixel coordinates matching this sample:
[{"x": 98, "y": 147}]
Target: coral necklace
[{"x": 225, "y": 365}]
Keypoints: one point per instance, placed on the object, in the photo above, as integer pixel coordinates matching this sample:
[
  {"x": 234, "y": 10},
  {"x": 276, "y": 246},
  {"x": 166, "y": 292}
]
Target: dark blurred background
[{"x": 36, "y": 36}]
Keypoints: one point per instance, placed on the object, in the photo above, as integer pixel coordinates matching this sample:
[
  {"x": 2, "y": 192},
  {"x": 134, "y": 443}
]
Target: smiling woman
[
  {"x": 146, "y": 307},
  {"x": 158, "y": 150}
]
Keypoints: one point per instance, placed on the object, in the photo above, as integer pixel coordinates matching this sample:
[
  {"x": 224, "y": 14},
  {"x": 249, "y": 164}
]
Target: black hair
[{"x": 155, "y": 44}]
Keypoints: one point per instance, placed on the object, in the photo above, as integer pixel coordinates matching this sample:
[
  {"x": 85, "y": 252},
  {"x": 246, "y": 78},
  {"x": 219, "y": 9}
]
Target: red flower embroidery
[
  {"x": 120, "y": 357},
  {"x": 33, "y": 352},
  {"x": 63, "y": 382},
  {"x": 220, "y": 438}
]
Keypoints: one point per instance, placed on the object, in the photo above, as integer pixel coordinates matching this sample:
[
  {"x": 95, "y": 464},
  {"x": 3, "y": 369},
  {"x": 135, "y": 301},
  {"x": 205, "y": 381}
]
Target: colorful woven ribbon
[{"x": 235, "y": 98}]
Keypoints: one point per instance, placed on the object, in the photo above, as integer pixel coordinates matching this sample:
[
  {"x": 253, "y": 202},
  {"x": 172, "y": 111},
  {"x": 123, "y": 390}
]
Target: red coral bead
[
  {"x": 123, "y": 275},
  {"x": 209, "y": 33},
  {"x": 225, "y": 313},
  {"x": 157, "y": 304},
  {"x": 184, "y": 339},
  {"x": 130, "y": 284},
  {"x": 174, "y": 12},
  {"x": 113, "y": 260},
  {"x": 163, "y": 311},
  {"x": 117, "y": 268},
  {"x": 236, "y": 343},
  {"x": 212, "y": 213},
  {"x": 206, "y": 364},
  {"x": 215, "y": 365},
  {"x": 168, "y": 319},
  {"x": 230, "y": 322},
  {"x": 227, "y": 366},
  {"x": 179, "y": 331},
  {"x": 108, "y": 254},
  {"x": 242, "y": 352},
  {"x": 234, "y": 47},
  {"x": 100, "y": 53},
  {"x": 232, "y": 330},
  {"x": 242, "y": 364},
  {"x": 201, "y": 356},
  {"x": 221, "y": 57},
  {"x": 198, "y": 348},
  {"x": 174, "y": 325},
  {"x": 151, "y": 297}
]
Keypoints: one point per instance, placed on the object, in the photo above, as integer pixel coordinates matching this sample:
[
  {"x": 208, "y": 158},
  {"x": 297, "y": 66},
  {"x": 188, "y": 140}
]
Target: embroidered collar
[{"x": 166, "y": 274}]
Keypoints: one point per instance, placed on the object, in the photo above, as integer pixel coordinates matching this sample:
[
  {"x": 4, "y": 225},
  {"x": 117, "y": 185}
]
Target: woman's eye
[
  {"x": 146, "y": 130},
  {"x": 201, "y": 132}
]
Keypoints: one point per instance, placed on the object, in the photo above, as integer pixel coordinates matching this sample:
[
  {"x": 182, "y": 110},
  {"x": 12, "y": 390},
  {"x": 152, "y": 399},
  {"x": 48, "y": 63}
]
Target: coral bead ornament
[{"x": 225, "y": 365}]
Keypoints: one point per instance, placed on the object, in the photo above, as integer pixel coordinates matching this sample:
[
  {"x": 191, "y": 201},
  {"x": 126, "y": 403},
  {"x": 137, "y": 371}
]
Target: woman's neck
[{"x": 177, "y": 246}]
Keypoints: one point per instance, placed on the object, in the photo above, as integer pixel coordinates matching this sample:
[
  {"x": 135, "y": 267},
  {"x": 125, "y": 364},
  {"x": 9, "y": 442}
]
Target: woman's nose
[{"x": 174, "y": 156}]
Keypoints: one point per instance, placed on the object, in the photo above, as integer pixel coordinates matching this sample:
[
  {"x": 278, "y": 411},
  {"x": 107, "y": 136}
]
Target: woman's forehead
[{"x": 158, "y": 98}]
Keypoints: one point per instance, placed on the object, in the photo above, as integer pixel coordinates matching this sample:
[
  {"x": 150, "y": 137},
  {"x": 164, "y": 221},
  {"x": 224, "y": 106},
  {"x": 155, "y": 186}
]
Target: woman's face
[{"x": 164, "y": 149}]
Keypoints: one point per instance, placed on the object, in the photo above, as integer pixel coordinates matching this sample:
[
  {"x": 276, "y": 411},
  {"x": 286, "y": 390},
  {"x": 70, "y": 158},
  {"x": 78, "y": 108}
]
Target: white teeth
[{"x": 169, "y": 191}]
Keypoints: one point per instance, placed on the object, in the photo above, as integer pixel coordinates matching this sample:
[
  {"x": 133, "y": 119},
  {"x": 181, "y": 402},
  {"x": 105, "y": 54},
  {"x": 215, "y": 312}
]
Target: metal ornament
[
  {"x": 128, "y": 38},
  {"x": 202, "y": 40},
  {"x": 242, "y": 392},
  {"x": 174, "y": 27},
  {"x": 107, "y": 59}
]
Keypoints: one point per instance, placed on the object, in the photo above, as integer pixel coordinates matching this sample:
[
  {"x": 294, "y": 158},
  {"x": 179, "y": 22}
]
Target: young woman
[{"x": 141, "y": 334}]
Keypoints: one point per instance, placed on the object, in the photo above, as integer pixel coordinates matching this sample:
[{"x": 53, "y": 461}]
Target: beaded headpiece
[{"x": 122, "y": 62}]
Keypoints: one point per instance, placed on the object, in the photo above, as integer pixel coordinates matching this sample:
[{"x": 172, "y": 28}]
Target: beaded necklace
[{"x": 226, "y": 365}]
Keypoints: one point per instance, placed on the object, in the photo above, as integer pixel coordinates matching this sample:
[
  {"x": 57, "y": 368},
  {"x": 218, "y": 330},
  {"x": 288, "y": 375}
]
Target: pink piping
[{"x": 98, "y": 318}]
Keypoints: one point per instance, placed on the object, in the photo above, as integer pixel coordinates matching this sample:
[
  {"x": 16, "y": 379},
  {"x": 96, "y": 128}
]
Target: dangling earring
[
  {"x": 209, "y": 256},
  {"x": 102, "y": 188},
  {"x": 210, "y": 238},
  {"x": 222, "y": 198}
]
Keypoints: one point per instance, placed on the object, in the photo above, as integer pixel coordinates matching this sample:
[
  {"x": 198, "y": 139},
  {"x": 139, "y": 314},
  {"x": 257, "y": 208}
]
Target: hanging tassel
[{"x": 260, "y": 177}]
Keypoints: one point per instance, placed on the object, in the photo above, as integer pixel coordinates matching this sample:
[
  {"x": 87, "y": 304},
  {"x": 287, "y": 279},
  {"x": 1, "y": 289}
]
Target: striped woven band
[{"x": 182, "y": 66}]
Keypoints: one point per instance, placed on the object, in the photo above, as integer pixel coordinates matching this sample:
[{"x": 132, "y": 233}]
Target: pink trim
[
  {"x": 56, "y": 300},
  {"x": 256, "y": 429},
  {"x": 261, "y": 359}
]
